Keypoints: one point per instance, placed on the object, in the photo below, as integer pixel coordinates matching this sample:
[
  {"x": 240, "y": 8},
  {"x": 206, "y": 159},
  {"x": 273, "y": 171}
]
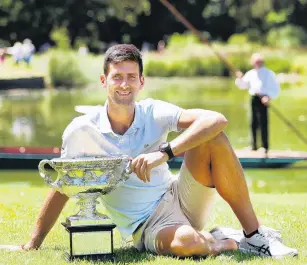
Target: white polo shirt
[
  {"x": 259, "y": 81},
  {"x": 133, "y": 201}
]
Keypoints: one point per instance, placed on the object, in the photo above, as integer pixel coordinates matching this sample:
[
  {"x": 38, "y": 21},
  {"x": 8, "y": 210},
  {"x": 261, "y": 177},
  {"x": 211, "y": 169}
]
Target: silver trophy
[{"x": 87, "y": 179}]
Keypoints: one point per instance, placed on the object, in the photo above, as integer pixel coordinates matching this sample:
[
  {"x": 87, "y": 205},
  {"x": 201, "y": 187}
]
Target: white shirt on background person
[{"x": 259, "y": 81}]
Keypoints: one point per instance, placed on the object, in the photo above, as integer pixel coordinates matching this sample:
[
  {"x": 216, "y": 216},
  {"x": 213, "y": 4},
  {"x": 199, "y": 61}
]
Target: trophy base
[
  {"x": 90, "y": 242},
  {"x": 92, "y": 257}
]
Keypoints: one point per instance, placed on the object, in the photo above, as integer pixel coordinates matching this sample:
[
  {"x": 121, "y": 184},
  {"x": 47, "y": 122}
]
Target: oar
[{"x": 185, "y": 22}]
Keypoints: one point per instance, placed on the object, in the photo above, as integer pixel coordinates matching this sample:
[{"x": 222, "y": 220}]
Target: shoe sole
[{"x": 245, "y": 251}]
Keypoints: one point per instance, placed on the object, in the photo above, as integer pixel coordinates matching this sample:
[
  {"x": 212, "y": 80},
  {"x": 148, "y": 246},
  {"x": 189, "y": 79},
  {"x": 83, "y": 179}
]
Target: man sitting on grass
[{"x": 164, "y": 214}]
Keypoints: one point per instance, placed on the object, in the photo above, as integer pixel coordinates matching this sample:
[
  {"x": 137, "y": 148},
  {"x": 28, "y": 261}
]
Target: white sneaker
[
  {"x": 266, "y": 243},
  {"x": 222, "y": 233}
]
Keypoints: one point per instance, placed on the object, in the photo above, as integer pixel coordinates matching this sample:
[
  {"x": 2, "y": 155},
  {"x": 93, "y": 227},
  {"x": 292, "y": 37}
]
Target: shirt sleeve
[
  {"x": 72, "y": 141},
  {"x": 167, "y": 115},
  {"x": 244, "y": 82}
]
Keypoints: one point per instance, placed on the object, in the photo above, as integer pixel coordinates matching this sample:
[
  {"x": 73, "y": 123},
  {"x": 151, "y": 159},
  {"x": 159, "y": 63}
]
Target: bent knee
[
  {"x": 220, "y": 142},
  {"x": 221, "y": 138}
]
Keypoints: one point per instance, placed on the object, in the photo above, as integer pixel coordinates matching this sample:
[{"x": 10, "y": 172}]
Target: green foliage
[
  {"x": 255, "y": 36},
  {"x": 80, "y": 42},
  {"x": 192, "y": 66},
  {"x": 128, "y": 10},
  {"x": 240, "y": 61},
  {"x": 289, "y": 36},
  {"x": 178, "y": 41},
  {"x": 64, "y": 70},
  {"x": 277, "y": 17},
  {"x": 210, "y": 65},
  {"x": 4, "y": 43},
  {"x": 278, "y": 64},
  {"x": 299, "y": 65},
  {"x": 156, "y": 67},
  {"x": 238, "y": 38},
  {"x": 60, "y": 36}
]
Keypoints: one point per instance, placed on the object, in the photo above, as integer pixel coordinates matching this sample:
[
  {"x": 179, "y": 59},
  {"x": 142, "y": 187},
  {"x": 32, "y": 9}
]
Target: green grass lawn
[{"x": 20, "y": 203}]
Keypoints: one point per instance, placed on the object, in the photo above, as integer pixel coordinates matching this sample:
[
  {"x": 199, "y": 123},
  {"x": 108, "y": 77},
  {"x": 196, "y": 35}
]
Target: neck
[
  {"x": 257, "y": 67},
  {"x": 120, "y": 117}
]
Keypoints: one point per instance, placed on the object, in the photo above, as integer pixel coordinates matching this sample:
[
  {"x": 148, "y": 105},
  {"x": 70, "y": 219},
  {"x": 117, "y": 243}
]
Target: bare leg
[
  {"x": 185, "y": 241},
  {"x": 226, "y": 175}
]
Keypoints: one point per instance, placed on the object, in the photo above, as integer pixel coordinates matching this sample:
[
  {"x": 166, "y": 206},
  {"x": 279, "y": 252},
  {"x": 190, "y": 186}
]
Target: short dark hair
[{"x": 120, "y": 53}]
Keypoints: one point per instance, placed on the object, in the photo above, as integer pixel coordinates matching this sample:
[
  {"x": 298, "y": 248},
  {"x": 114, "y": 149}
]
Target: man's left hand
[
  {"x": 265, "y": 100},
  {"x": 11, "y": 247},
  {"x": 142, "y": 164}
]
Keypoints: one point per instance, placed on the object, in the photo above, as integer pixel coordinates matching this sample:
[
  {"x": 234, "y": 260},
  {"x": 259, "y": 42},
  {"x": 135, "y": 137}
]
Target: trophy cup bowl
[{"x": 86, "y": 178}]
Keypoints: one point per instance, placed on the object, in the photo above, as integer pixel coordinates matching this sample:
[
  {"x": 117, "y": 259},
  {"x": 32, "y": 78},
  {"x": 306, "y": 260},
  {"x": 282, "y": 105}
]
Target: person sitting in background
[
  {"x": 16, "y": 51},
  {"x": 262, "y": 86},
  {"x": 28, "y": 50}
]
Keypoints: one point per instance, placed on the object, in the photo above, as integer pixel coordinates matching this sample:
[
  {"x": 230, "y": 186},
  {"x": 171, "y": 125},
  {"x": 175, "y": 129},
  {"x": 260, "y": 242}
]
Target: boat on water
[{"x": 29, "y": 158}]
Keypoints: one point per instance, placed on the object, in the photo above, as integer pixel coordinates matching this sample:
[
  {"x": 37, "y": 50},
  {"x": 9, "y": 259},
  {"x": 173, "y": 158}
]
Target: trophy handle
[
  {"x": 128, "y": 170},
  {"x": 45, "y": 174}
]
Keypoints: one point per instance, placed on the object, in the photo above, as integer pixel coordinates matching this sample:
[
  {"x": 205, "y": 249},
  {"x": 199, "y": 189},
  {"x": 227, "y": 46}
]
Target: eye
[
  {"x": 117, "y": 77},
  {"x": 132, "y": 77}
]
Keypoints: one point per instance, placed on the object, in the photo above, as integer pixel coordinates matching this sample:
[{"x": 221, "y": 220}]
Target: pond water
[{"x": 38, "y": 118}]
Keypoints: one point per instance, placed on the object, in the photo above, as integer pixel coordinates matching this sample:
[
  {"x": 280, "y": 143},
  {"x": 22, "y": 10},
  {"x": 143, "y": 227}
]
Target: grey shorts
[{"x": 187, "y": 202}]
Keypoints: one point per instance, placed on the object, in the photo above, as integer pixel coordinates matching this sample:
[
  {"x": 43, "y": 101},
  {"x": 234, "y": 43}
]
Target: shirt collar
[{"x": 105, "y": 126}]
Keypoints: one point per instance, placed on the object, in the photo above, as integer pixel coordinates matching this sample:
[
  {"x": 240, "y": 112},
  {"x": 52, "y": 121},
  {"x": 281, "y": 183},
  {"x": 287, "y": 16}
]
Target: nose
[{"x": 124, "y": 84}]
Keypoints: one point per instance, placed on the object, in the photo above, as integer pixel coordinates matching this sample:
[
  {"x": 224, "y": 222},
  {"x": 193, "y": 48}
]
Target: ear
[
  {"x": 103, "y": 80},
  {"x": 142, "y": 80}
]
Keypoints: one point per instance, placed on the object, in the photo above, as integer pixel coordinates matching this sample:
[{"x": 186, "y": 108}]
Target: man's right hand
[
  {"x": 239, "y": 74},
  {"x": 144, "y": 163}
]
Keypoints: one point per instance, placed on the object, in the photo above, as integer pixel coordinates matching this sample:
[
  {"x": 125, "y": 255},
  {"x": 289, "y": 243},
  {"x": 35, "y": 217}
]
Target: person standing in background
[{"x": 262, "y": 86}]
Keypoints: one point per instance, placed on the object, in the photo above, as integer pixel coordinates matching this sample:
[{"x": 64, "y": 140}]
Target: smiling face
[{"x": 122, "y": 82}]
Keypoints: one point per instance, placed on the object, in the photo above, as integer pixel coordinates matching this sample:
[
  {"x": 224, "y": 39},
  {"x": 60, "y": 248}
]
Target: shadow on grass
[
  {"x": 132, "y": 255},
  {"x": 240, "y": 257}
]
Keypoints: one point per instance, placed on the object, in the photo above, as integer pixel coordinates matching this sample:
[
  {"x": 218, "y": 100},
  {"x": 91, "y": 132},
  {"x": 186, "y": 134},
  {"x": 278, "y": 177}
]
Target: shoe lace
[{"x": 271, "y": 234}]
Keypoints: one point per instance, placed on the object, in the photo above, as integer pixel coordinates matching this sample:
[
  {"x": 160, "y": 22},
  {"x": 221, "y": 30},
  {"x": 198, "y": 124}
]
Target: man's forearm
[
  {"x": 203, "y": 129},
  {"x": 47, "y": 217}
]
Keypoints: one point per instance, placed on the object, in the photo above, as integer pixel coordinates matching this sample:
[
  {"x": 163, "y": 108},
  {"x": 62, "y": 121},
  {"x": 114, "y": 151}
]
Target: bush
[
  {"x": 156, "y": 67},
  {"x": 240, "y": 61},
  {"x": 178, "y": 41},
  {"x": 299, "y": 65},
  {"x": 278, "y": 64},
  {"x": 61, "y": 38},
  {"x": 238, "y": 38},
  {"x": 64, "y": 70},
  {"x": 289, "y": 36},
  {"x": 255, "y": 36},
  {"x": 192, "y": 66},
  {"x": 165, "y": 66}
]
